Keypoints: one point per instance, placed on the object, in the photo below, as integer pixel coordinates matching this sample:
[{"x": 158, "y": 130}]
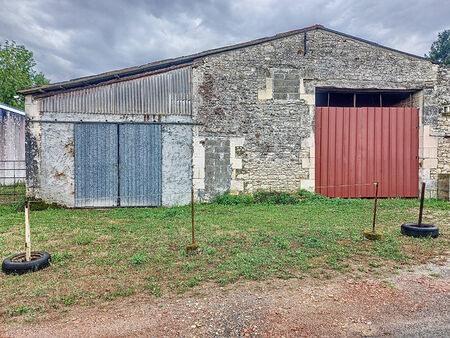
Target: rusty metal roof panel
[{"x": 167, "y": 93}]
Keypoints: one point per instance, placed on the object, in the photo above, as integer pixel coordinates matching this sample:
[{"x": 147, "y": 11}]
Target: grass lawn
[
  {"x": 12, "y": 193},
  {"x": 99, "y": 255}
]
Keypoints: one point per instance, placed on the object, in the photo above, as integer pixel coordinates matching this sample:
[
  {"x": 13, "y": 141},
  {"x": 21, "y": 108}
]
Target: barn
[{"x": 311, "y": 109}]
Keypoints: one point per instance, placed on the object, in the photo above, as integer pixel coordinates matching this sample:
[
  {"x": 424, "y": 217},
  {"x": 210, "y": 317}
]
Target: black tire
[
  {"x": 412, "y": 229},
  {"x": 12, "y": 265}
]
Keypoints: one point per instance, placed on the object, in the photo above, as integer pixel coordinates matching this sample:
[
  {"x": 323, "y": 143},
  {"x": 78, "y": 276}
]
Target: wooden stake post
[
  {"x": 372, "y": 235},
  {"x": 422, "y": 196},
  {"x": 192, "y": 215},
  {"x": 192, "y": 248},
  {"x": 27, "y": 232},
  {"x": 375, "y": 206}
]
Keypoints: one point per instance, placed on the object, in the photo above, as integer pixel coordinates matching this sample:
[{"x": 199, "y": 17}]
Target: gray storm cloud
[{"x": 77, "y": 38}]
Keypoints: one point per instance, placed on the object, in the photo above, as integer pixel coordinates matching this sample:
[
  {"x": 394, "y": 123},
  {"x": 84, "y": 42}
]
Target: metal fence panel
[
  {"x": 96, "y": 169},
  {"x": 140, "y": 165},
  {"x": 12, "y": 181}
]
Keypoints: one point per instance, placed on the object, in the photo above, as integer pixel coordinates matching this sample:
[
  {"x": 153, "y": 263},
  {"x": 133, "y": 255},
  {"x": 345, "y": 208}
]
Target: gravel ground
[{"x": 410, "y": 304}]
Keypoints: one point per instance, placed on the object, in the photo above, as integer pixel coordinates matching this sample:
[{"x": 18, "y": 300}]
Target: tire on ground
[
  {"x": 412, "y": 229},
  {"x": 11, "y": 266}
]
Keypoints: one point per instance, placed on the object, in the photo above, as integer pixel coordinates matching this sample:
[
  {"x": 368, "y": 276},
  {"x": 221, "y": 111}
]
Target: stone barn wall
[
  {"x": 261, "y": 99},
  {"x": 256, "y": 103}
]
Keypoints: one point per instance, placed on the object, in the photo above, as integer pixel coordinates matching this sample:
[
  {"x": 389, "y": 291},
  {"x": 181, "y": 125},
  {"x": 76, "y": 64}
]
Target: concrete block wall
[
  {"x": 436, "y": 129},
  {"x": 442, "y": 170}
]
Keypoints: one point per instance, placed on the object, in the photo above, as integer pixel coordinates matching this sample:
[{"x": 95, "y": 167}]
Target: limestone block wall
[
  {"x": 435, "y": 149},
  {"x": 265, "y": 96}
]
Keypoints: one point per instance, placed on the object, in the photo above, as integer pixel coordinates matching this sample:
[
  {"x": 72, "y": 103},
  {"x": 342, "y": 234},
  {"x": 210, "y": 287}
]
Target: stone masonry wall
[
  {"x": 264, "y": 96},
  {"x": 257, "y": 106}
]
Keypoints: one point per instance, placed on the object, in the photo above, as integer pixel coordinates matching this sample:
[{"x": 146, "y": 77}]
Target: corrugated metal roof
[
  {"x": 167, "y": 93},
  {"x": 95, "y": 79},
  {"x": 10, "y": 108}
]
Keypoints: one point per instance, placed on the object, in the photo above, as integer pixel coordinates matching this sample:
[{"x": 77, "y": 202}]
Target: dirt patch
[{"x": 414, "y": 302}]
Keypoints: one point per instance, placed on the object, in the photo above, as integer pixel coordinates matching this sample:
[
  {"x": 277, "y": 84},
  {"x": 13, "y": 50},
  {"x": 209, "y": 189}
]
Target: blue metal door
[
  {"x": 96, "y": 165},
  {"x": 140, "y": 165},
  {"x": 117, "y": 165}
]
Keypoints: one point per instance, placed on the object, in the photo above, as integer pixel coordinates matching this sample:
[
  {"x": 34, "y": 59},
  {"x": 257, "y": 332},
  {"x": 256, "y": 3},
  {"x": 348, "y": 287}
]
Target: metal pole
[
  {"x": 422, "y": 195},
  {"x": 375, "y": 206},
  {"x": 14, "y": 181},
  {"x": 192, "y": 214},
  {"x": 27, "y": 232}
]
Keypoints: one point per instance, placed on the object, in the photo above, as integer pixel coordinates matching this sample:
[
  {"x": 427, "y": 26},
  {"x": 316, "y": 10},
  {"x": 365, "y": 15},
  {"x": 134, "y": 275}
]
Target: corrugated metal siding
[
  {"x": 96, "y": 169},
  {"x": 168, "y": 93},
  {"x": 140, "y": 165},
  {"x": 356, "y": 146}
]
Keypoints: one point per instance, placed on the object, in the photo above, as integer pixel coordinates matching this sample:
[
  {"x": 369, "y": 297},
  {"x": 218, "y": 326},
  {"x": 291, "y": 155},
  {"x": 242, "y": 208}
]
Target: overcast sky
[{"x": 75, "y": 38}]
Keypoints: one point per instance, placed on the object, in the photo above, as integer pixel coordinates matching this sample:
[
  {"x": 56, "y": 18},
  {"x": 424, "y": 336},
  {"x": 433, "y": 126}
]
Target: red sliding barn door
[{"x": 358, "y": 146}]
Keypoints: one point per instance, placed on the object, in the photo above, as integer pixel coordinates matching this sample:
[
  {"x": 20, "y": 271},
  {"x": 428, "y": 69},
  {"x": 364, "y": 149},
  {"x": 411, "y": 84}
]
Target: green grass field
[
  {"x": 12, "y": 193},
  {"x": 99, "y": 255}
]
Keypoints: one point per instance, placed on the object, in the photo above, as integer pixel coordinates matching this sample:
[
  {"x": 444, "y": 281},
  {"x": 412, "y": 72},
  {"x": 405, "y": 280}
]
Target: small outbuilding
[
  {"x": 12, "y": 145},
  {"x": 310, "y": 109}
]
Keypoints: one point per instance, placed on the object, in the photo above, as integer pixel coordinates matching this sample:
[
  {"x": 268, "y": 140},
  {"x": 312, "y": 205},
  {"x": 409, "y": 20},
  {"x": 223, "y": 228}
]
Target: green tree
[
  {"x": 440, "y": 49},
  {"x": 17, "y": 72}
]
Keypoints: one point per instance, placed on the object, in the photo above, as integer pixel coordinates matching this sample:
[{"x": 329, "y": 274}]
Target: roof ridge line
[{"x": 167, "y": 63}]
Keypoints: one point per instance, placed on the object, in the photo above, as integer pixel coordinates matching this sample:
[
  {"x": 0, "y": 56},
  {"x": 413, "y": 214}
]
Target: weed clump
[
  {"x": 373, "y": 235},
  {"x": 274, "y": 197},
  {"x": 228, "y": 199},
  {"x": 270, "y": 197},
  {"x": 139, "y": 258}
]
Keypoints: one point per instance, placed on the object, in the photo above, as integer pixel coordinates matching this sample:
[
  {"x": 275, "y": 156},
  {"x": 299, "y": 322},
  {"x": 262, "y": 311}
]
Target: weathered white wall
[
  {"x": 176, "y": 164},
  {"x": 55, "y": 178}
]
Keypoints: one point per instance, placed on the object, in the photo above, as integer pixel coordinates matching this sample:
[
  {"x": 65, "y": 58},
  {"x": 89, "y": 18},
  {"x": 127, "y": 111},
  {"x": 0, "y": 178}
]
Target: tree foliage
[
  {"x": 440, "y": 49},
  {"x": 17, "y": 72}
]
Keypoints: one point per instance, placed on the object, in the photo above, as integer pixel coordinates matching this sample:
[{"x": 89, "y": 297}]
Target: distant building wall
[{"x": 12, "y": 144}]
